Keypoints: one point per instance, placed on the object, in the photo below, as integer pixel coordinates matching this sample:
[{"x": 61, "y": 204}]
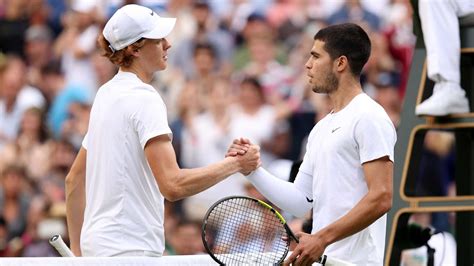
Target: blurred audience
[
  {"x": 38, "y": 51},
  {"x": 76, "y": 44},
  {"x": 15, "y": 97},
  {"x": 353, "y": 11},
  {"x": 61, "y": 96},
  {"x": 186, "y": 238},
  {"x": 14, "y": 201},
  {"x": 205, "y": 140}
]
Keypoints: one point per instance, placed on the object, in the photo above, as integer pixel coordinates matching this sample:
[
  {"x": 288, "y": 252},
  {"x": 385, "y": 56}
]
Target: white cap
[{"x": 133, "y": 22}]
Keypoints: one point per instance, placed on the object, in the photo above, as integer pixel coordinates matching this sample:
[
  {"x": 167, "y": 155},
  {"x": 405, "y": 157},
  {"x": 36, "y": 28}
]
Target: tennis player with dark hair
[
  {"x": 116, "y": 188},
  {"x": 346, "y": 173}
]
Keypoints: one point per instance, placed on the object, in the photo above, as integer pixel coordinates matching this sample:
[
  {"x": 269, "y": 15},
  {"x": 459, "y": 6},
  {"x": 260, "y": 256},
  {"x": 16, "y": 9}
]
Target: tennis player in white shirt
[
  {"x": 346, "y": 174},
  {"x": 126, "y": 167}
]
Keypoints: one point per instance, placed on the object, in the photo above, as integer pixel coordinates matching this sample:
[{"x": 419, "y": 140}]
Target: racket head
[{"x": 240, "y": 230}]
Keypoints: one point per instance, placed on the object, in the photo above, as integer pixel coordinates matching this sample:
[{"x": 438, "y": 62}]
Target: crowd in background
[{"x": 236, "y": 68}]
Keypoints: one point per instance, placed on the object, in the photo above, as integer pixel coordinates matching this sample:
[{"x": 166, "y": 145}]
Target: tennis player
[
  {"x": 126, "y": 167},
  {"x": 346, "y": 174}
]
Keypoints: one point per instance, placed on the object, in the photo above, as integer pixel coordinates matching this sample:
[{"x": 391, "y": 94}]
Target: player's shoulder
[
  {"x": 138, "y": 86},
  {"x": 370, "y": 112},
  {"x": 143, "y": 91},
  {"x": 365, "y": 106},
  {"x": 364, "y": 100},
  {"x": 130, "y": 81}
]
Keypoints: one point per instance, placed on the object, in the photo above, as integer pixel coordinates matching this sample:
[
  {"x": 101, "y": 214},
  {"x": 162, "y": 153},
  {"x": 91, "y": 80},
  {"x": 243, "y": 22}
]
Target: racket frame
[{"x": 262, "y": 203}]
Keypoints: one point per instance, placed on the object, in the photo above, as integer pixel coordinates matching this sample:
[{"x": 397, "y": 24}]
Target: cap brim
[{"x": 162, "y": 28}]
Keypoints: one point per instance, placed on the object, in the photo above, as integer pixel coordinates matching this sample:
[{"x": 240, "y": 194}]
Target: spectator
[
  {"x": 61, "y": 96},
  {"x": 275, "y": 77},
  {"x": 35, "y": 239},
  {"x": 4, "y": 248},
  {"x": 76, "y": 126},
  {"x": 204, "y": 141},
  {"x": 206, "y": 30},
  {"x": 187, "y": 108},
  {"x": 38, "y": 52},
  {"x": 185, "y": 21},
  {"x": 76, "y": 44},
  {"x": 389, "y": 98},
  {"x": 13, "y": 24},
  {"x": 381, "y": 69},
  {"x": 16, "y": 96},
  {"x": 61, "y": 159},
  {"x": 256, "y": 26},
  {"x": 205, "y": 75},
  {"x": 292, "y": 25},
  {"x": 31, "y": 147},
  {"x": 353, "y": 11},
  {"x": 398, "y": 29},
  {"x": 254, "y": 118},
  {"x": 14, "y": 203},
  {"x": 186, "y": 239}
]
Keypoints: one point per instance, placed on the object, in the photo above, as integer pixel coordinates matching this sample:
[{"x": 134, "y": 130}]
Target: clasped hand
[{"x": 247, "y": 153}]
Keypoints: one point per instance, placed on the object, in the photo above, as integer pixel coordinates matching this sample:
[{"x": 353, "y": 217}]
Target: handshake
[{"x": 246, "y": 154}]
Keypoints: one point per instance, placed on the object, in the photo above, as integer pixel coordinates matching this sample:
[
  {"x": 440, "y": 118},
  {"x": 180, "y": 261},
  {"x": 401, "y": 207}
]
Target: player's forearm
[
  {"x": 370, "y": 208},
  {"x": 283, "y": 194},
  {"x": 75, "y": 204},
  {"x": 75, "y": 200},
  {"x": 188, "y": 182},
  {"x": 176, "y": 183}
]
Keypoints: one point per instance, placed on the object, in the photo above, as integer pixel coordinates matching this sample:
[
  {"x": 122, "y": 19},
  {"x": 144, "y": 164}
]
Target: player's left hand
[{"x": 308, "y": 250}]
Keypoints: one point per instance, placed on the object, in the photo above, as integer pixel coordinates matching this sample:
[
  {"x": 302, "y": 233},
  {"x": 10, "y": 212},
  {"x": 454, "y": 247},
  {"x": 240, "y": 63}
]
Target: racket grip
[
  {"x": 328, "y": 261},
  {"x": 58, "y": 243}
]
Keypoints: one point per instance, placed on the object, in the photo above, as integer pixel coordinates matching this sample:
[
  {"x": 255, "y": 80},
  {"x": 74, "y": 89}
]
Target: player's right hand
[
  {"x": 250, "y": 160},
  {"x": 239, "y": 146}
]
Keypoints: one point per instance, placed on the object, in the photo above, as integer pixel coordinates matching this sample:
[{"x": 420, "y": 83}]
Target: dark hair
[
  {"x": 53, "y": 67},
  {"x": 205, "y": 46},
  {"x": 14, "y": 168},
  {"x": 201, "y": 4},
  {"x": 256, "y": 17},
  {"x": 43, "y": 134},
  {"x": 122, "y": 57},
  {"x": 346, "y": 39},
  {"x": 254, "y": 82}
]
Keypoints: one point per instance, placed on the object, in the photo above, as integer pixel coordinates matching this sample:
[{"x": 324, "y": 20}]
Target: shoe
[{"x": 448, "y": 98}]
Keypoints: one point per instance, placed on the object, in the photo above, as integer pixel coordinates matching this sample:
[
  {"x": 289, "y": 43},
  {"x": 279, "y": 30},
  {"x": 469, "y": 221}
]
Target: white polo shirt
[
  {"x": 337, "y": 147},
  {"x": 124, "y": 207}
]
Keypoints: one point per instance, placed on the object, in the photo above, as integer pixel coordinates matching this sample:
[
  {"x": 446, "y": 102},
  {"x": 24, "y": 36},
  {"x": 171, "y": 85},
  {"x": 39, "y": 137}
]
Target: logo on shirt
[
  {"x": 334, "y": 130},
  {"x": 309, "y": 200}
]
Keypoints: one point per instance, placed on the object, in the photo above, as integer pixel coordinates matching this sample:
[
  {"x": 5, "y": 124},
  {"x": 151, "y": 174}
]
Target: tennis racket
[
  {"x": 58, "y": 243},
  {"x": 241, "y": 230}
]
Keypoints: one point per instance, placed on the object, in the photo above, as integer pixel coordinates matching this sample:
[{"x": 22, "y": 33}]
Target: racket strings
[{"x": 242, "y": 231}]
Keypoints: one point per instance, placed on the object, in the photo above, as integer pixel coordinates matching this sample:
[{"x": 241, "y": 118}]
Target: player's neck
[
  {"x": 346, "y": 91},
  {"x": 144, "y": 76}
]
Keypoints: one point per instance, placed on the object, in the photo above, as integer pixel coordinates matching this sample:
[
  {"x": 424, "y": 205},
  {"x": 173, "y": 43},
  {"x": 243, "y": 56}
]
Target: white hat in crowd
[
  {"x": 132, "y": 22},
  {"x": 83, "y": 6}
]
